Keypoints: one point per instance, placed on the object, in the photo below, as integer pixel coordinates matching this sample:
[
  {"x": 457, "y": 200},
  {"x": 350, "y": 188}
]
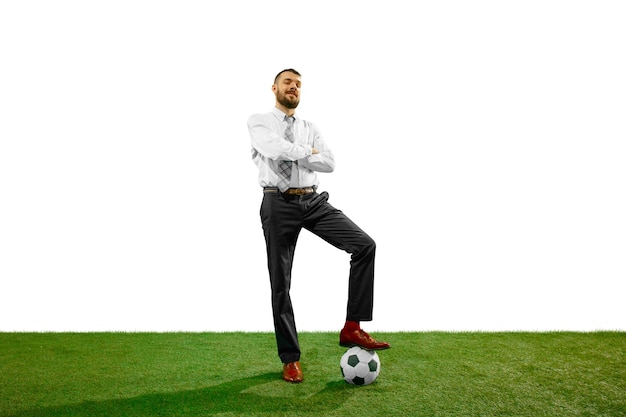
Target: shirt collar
[{"x": 281, "y": 115}]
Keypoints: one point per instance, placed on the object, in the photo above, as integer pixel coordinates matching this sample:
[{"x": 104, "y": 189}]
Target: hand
[{"x": 314, "y": 151}]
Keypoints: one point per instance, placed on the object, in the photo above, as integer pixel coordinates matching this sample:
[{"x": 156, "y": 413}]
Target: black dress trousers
[{"x": 283, "y": 217}]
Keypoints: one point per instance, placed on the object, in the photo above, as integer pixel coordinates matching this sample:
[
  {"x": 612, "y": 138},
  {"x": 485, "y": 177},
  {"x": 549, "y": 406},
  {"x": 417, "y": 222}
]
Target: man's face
[{"x": 287, "y": 89}]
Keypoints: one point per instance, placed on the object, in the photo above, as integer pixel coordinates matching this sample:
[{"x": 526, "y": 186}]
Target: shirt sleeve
[
  {"x": 324, "y": 161},
  {"x": 272, "y": 145}
]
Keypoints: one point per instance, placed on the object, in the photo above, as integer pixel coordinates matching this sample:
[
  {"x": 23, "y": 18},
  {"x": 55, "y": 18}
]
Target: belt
[{"x": 291, "y": 191}]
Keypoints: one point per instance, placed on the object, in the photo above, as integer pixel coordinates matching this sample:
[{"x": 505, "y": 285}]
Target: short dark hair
[{"x": 286, "y": 70}]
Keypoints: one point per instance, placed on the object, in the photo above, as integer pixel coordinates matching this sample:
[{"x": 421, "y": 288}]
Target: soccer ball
[{"x": 360, "y": 366}]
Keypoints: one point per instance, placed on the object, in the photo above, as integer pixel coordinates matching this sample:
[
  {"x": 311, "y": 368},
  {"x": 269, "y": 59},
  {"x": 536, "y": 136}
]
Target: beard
[{"x": 288, "y": 102}]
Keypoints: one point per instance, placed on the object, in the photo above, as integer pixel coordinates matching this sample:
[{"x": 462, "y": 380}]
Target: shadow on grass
[{"x": 236, "y": 397}]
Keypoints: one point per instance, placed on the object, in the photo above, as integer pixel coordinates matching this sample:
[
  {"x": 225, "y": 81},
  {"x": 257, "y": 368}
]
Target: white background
[{"x": 480, "y": 143}]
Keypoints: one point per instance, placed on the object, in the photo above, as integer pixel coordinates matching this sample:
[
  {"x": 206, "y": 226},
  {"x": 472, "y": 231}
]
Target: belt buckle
[{"x": 300, "y": 191}]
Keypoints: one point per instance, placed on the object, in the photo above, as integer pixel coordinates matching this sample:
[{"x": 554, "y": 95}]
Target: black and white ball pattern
[{"x": 360, "y": 366}]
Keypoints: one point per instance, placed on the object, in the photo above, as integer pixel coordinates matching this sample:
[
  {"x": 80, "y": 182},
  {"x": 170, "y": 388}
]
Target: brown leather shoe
[
  {"x": 358, "y": 337},
  {"x": 292, "y": 372}
]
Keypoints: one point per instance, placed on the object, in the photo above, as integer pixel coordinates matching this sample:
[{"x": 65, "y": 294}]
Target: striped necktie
[{"x": 284, "y": 167}]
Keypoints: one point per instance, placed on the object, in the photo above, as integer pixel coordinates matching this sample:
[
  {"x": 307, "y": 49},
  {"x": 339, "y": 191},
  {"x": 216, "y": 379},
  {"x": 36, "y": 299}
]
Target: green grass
[{"x": 238, "y": 374}]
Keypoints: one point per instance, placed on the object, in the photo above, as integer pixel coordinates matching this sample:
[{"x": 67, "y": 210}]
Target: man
[{"x": 288, "y": 151}]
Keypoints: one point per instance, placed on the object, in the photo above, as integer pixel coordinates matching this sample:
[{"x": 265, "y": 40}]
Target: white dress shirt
[{"x": 269, "y": 147}]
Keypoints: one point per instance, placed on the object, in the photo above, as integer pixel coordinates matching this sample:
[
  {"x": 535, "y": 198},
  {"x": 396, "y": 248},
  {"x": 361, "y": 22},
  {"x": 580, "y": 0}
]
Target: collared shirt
[{"x": 269, "y": 147}]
